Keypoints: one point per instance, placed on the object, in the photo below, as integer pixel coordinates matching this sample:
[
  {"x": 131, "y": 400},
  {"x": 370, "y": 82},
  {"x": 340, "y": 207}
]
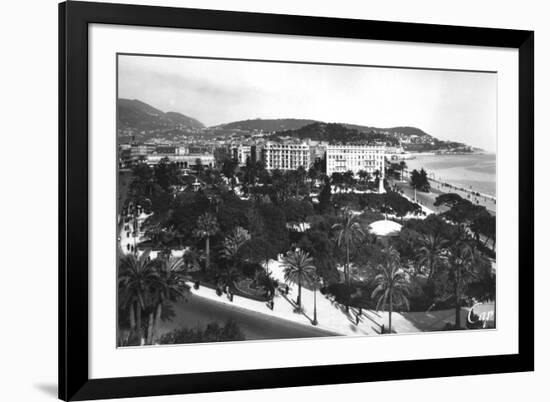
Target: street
[{"x": 199, "y": 311}]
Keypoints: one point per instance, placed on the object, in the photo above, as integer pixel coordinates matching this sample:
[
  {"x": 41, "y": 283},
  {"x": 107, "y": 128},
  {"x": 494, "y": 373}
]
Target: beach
[{"x": 474, "y": 172}]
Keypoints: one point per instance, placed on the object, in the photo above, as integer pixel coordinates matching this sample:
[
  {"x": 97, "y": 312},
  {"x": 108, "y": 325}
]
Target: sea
[{"x": 476, "y": 172}]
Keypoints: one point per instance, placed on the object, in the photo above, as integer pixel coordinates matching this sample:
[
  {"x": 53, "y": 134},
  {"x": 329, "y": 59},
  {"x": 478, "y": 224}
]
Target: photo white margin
[{"x": 108, "y": 361}]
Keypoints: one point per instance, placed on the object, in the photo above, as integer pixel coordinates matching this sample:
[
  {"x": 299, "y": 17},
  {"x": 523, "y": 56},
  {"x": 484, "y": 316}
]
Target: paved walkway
[{"x": 428, "y": 199}]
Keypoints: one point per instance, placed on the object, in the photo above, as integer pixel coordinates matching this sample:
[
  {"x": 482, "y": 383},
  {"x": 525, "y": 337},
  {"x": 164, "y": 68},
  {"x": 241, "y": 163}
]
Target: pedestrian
[
  {"x": 128, "y": 247},
  {"x": 356, "y": 319}
]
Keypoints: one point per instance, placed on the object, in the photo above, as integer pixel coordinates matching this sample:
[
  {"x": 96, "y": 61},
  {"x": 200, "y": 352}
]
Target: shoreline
[{"x": 445, "y": 174}]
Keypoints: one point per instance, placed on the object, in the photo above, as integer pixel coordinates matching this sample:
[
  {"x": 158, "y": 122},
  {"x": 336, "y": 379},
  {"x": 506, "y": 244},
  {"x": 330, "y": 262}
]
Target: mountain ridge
[
  {"x": 136, "y": 114},
  {"x": 141, "y": 121}
]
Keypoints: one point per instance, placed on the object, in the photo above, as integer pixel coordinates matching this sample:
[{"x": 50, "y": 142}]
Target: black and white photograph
[{"x": 262, "y": 200}]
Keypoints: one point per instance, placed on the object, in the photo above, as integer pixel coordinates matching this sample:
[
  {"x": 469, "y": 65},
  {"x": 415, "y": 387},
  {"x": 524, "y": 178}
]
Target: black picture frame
[{"x": 74, "y": 18}]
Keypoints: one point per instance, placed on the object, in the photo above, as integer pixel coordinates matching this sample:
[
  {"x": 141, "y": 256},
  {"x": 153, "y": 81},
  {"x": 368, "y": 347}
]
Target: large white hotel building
[
  {"x": 287, "y": 155},
  {"x": 341, "y": 158}
]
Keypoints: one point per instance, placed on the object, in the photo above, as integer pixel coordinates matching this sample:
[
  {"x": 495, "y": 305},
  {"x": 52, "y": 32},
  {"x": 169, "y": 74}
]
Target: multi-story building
[
  {"x": 341, "y": 158},
  {"x": 317, "y": 150},
  {"x": 152, "y": 154},
  {"x": 241, "y": 153},
  {"x": 287, "y": 155},
  {"x": 183, "y": 161},
  {"x": 138, "y": 151}
]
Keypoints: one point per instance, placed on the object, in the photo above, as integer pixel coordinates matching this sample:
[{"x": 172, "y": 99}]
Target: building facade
[
  {"x": 241, "y": 153},
  {"x": 152, "y": 154},
  {"x": 341, "y": 158},
  {"x": 286, "y": 155},
  {"x": 183, "y": 161}
]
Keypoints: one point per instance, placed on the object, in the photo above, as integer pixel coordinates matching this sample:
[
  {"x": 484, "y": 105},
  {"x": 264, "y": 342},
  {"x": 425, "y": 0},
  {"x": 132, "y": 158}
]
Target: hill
[
  {"x": 404, "y": 131},
  {"x": 139, "y": 116},
  {"x": 317, "y": 130},
  {"x": 338, "y": 133},
  {"x": 142, "y": 122},
  {"x": 266, "y": 125}
]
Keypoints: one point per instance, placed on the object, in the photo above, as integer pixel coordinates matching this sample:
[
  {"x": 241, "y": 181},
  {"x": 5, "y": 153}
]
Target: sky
[{"x": 450, "y": 105}]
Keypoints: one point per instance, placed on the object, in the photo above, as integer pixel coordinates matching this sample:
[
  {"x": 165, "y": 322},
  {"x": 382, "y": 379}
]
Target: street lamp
[{"x": 316, "y": 280}]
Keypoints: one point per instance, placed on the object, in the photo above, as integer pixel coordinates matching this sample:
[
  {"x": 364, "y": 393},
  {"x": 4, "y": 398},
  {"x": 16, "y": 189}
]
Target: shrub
[
  {"x": 339, "y": 291},
  {"x": 213, "y": 332}
]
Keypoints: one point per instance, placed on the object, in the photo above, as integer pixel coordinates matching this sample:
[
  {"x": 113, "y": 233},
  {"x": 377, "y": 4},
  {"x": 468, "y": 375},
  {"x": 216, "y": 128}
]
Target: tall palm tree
[
  {"x": 402, "y": 166},
  {"x": 230, "y": 251},
  {"x": 431, "y": 252},
  {"x": 207, "y": 226},
  {"x": 313, "y": 174},
  {"x": 392, "y": 285},
  {"x": 233, "y": 243},
  {"x": 136, "y": 277},
  {"x": 191, "y": 260},
  {"x": 300, "y": 177},
  {"x": 169, "y": 286},
  {"x": 349, "y": 233},
  {"x": 463, "y": 257},
  {"x": 298, "y": 267}
]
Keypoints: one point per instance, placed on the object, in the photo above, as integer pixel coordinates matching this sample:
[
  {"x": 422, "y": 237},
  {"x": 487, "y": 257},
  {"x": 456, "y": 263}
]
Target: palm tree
[
  {"x": 431, "y": 252},
  {"x": 313, "y": 174},
  {"x": 136, "y": 277},
  {"x": 463, "y": 257},
  {"x": 392, "y": 286},
  {"x": 231, "y": 246},
  {"x": 207, "y": 226},
  {"x": 232, "y": 243},
  {"x": 169, "y": 286},
  {"x": 297, "y": 267},
  {"x": 191, "y": 260},
  {"x": 403, "y": 166},
  {"x": 300, "y": 177},
  {"x": 349, "y": 233}
]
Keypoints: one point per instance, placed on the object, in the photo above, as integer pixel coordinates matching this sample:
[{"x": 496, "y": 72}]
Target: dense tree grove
[
  {"x": 476, "y": 217},
  {"x": 419, "y": 180},
  {"x": 229, "y": 234}
]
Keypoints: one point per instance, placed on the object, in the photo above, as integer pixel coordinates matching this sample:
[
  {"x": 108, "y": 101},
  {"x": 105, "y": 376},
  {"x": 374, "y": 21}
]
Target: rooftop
[{"x": 385, "y": 228}]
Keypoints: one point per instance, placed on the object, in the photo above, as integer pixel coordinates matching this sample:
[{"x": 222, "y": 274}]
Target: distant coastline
[{"x": 411, "y": 155}]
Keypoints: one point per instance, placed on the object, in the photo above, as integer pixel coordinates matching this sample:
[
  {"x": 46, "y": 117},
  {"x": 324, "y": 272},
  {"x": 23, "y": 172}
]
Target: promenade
[{"x": 428, "y": 199}]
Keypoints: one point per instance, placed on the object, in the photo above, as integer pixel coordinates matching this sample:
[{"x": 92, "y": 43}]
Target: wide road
[
  {"x": 198, "y": 312},
  {"x": 428, "y": 199}
]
